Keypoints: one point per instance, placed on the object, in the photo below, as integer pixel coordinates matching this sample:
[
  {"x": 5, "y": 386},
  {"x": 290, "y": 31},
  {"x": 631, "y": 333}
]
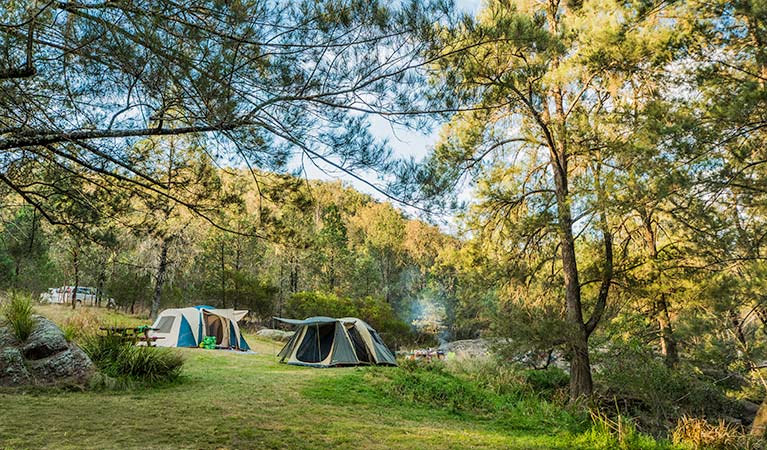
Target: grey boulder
[
  {"x": 45, "y": 358},
  {"x": 275, "y": 335}
]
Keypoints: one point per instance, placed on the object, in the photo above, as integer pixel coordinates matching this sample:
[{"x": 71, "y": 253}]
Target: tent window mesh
[
  {"x": 359, "y": 345},
  {"x": 316, "y": 343},
  {"x": 166, "y": 323}
]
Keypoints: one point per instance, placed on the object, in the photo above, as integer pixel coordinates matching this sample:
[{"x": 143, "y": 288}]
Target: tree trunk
[
  {"x": 580, "y": 369},
  {"x": 236, "y": 275},
  {"x": 160, "y": 279},
  {"x": 667, "y": 342},
  {"x": 332, "y": 272},
  {"x": 556, "y": 133},
  {"x": 133, "y": 298},
  {"x": 293, "y": 275},
  {"x": 76, "y": 267},
  {"x": 737, "y": 326},
  {"x": 100, "y": 284},
  {"x": 581, "y": 384},
  {"x": 385, "y": 272},
  {"x": 281, "y": 298},
  {"x": 223, "y": 276},
  {"x": 33, "y": 231}
]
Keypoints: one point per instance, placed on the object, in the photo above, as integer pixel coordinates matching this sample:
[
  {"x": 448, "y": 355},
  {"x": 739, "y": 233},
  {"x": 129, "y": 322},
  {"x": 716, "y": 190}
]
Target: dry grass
[
  {"x": 696, "y": 433},
  {"x": 88, "y": 316},
  {"x": 85, "y": 323}
]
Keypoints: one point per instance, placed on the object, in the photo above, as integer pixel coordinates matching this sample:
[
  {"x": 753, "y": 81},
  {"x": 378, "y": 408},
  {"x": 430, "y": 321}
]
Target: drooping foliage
[{"x": 611, "y": 155}]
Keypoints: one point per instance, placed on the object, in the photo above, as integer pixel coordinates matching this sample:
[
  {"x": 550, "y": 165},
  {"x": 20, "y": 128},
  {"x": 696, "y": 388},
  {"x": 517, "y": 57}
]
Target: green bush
[
  {"x": 502, "y": 379},
  {"x": 307, "y": 304},
  {"x": 118, "y": 359},
  {"x": 642, "y": 386},
  {"x": 488, "y": 389},
  {"x": 547, "y": 381},
  {"x": 510, "y": 379},
  {"x": 70, "y": 332},
  {"x": 18, "y": 315},
  {"x": 375, "y": 311},
  {"x": 619, "y": 433},
  {"x": 433, "y": 385}
]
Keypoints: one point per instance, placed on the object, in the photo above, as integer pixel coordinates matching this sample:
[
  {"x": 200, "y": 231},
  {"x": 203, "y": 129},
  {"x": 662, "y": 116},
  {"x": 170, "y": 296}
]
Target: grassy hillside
[{"x": 237, "y": 400}]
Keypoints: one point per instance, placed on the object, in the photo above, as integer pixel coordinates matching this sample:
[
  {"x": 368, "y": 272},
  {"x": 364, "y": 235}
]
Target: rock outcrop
[
  {"x": 275, "y": 335},
  {"x": 468, "y": 348},
  {"x": 45, "y": 358}
]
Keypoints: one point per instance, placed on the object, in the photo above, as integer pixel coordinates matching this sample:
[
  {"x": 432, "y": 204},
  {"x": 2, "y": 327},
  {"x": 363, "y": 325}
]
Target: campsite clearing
[
  {"x": 230, "y": 399},
  {"x": 237, "y": 400}
]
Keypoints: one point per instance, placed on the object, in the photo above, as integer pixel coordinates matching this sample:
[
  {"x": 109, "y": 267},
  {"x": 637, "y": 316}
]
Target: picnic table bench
[{"x": 133, "y": 334}]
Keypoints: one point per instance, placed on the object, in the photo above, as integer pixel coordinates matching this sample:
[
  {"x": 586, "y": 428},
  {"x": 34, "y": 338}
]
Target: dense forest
[
  {"x": 604, "y": 163},
  {"x": 283, "y": 246}
]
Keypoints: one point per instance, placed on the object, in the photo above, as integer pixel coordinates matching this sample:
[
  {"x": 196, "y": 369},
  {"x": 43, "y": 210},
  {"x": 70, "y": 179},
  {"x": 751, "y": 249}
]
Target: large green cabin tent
[{"x": 327, "y": 342}]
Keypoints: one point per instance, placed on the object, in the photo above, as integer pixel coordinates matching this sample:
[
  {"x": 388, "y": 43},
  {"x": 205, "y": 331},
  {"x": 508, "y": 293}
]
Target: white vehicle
[
  {"x": 51, "y": 296},
  {"x": 85, "y": 295}
]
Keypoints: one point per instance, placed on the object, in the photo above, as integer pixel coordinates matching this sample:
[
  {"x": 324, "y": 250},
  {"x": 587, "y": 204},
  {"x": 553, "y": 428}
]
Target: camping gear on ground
[
  {"x": 426, "y": 354},
  {"x": 208, "y": 342},
  {"x": 326, "y": 342},
  {"x": 187, "y": 327}
]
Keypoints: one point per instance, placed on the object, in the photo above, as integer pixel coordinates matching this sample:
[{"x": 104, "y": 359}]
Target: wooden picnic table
[{"x": 133, "y": 334}]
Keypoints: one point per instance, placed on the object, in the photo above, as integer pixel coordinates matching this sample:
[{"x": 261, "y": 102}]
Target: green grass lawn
[{"x": 236, "y": 400}]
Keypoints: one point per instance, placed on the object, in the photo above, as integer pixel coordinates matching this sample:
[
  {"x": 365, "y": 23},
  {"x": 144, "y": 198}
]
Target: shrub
[
  {"x": 547, "y": 381},
  {"x": 70, "y": 333},
  {"x": 375, "y": 311},
  {"x": 510, "y": 379},
  {"x": 697, "y": 433},
  {"x": 611, "y": 433},
  {"x": 380, "y": 314},
  {"x": 495, "y": 391},
  {"x": 502, "y": 379},
  {"x": 642, "y": 386},
  {"x": 18, "y": 314},
  {"x": 306, "y": 304},
  {"x": 119, "y": 359},
  {"x": 433, "y": 385}
]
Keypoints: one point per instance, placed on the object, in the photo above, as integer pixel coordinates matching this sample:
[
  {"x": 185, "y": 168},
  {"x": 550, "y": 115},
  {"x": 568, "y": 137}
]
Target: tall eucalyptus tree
[{"x": 543, "y": 82}]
